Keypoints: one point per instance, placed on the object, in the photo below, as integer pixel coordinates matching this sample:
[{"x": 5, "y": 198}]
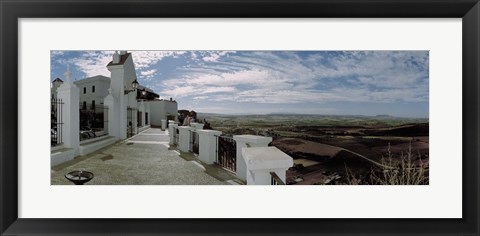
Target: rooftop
[
  {"x": 93, "y": 78},
  {"x": 123, "y": 58},
  {"x": 57, "y": 80}
]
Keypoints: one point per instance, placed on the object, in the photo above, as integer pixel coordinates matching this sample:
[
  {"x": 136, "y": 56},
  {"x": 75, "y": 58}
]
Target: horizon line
[{"x": 316, "y": 114}]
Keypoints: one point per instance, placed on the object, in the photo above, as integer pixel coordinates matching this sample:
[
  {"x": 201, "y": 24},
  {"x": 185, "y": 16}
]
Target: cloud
[
  {"x": 285, "y": 77},
  {"x": 148, "y": 73},
  {"x": 214, "y": 56},
  {"x": 183, "y": 91},
  {"x": 56, "y": 53},
  {"x": 143, "y": 59},
  {"x": 272, "y": 77},
  {"x": 93, "y": 63},
  {"x": 211, "y": 57}
]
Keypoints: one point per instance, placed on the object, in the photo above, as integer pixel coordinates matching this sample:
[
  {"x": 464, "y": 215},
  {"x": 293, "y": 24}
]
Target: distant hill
[
  {"x": 385, "y": 117},
  {"x": 273, "y": 120},
  {"x": 276, "y": 114}
]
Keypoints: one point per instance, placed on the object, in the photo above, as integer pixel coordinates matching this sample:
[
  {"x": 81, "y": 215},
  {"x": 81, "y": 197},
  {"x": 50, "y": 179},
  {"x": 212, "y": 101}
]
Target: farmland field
[{"x": 338, "y": 149}]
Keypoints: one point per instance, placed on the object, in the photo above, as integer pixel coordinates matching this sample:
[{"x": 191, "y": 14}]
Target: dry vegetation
[{"x": 409, "y": 169}]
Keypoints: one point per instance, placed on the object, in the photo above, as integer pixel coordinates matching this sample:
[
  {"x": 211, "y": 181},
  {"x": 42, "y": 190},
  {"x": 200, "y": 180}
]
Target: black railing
[
  {"x": 56, "y": 122},
  {"x": 226, "y": 153},
  {"x": 194, "y": 141},
  {"x": 275, "y": 180},
  {"x": 130, "y": 127},
  {"x": 93, "y": 121}
]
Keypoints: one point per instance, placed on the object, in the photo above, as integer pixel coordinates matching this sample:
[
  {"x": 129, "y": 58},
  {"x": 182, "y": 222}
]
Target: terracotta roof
[
  {"x": 57, "y": 80},
  {"x": 123, "y": 58}
]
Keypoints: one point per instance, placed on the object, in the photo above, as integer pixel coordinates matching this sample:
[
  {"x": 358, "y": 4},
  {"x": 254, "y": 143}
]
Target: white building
[
  {"x": 93, "y": 90},
  {"x": 162, "y": 110},
  {"x": 121, "y": 108},
  {"x": 143, "y": 106},
  {"x": 150, "y": 110}
]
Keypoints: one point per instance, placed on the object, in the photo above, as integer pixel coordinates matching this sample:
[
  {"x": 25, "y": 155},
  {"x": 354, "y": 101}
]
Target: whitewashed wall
[
  {"x": 130, "y": 74},
  {"x": 101, "y": 84},
  {"x": 160, "y": 109}
]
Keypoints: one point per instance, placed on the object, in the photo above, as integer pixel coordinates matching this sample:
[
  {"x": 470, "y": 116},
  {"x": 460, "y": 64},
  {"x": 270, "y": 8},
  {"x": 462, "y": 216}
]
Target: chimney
[{"x": 116, "y": 58}]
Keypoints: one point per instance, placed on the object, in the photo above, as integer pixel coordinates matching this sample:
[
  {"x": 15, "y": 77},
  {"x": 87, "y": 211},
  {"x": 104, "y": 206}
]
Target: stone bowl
[{"x": 79, "y": 177}]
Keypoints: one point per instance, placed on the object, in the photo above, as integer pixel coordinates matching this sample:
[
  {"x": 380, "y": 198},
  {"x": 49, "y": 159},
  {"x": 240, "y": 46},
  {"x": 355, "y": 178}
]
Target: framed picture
[{"x": 334, "y": 93}]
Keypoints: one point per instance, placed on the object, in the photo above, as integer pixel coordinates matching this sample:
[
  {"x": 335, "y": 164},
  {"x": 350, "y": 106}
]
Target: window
[
  {"x": 84, "y": 105},
  {"x": 93, "y": 88},
  {"x": 93, "y": 104},
  {"x": 84, "y": 90}
]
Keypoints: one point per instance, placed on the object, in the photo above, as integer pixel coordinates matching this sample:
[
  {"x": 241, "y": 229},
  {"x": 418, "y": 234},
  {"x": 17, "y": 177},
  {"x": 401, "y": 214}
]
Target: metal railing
[
  {"x": 275, "y": 180},
  {"x": 56, "y": 122},
  {"x": 226, "y": 153},
  {"x": 194, "y": 142},
  {"x": 130, "y": 127},
  {"x": 93, "y": 121}
]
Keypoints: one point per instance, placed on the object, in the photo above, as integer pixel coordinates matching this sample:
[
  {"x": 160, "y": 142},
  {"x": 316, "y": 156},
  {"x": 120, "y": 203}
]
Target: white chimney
[{"x": 116, "y": 58}]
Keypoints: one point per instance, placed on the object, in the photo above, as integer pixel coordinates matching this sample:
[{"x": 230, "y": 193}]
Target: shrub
[
  {"x": 394, "y": 171},
  {"x": 403, "y": 171}
]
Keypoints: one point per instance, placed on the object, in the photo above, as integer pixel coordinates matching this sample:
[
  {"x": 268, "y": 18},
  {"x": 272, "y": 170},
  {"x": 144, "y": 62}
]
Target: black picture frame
[{"x": 12, "y": 10}]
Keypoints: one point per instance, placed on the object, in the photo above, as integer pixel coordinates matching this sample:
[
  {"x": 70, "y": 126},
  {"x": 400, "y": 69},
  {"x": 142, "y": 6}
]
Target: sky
[{"x": 368, "y": 83}]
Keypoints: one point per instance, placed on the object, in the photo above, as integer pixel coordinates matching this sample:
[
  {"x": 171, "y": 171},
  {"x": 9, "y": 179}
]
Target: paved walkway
[{"x": 145, "y": 159}]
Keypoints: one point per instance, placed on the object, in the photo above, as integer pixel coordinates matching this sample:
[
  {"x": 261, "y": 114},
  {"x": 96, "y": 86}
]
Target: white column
[
  {"x": 207, "y": 145},
  {"x": 122, "y": 114},
  {"x": 164, "y": 124},
  {"x": 142, "y": 110},
  {"x": 117, "y": 84},
  {"x": 70, "y": 96},
  {"x": 117, "y": 87},
  {"x": 261, "y": 161},
  {"x": 184, "y": 138},
  {"x": 113, "y": 115},
  {"x": 135, "y": 120},
  {"x": 171, "y": 132},
  {"x": 244, "y": 141}
]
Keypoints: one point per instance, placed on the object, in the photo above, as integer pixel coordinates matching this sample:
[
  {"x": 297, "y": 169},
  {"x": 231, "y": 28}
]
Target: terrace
[
  {"x": 182, "y": 156},
  {"x": 144, "y": 159}
]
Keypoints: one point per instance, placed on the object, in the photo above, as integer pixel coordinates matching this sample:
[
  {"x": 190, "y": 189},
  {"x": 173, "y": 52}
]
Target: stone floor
[{"x": 145, "y": 159}]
